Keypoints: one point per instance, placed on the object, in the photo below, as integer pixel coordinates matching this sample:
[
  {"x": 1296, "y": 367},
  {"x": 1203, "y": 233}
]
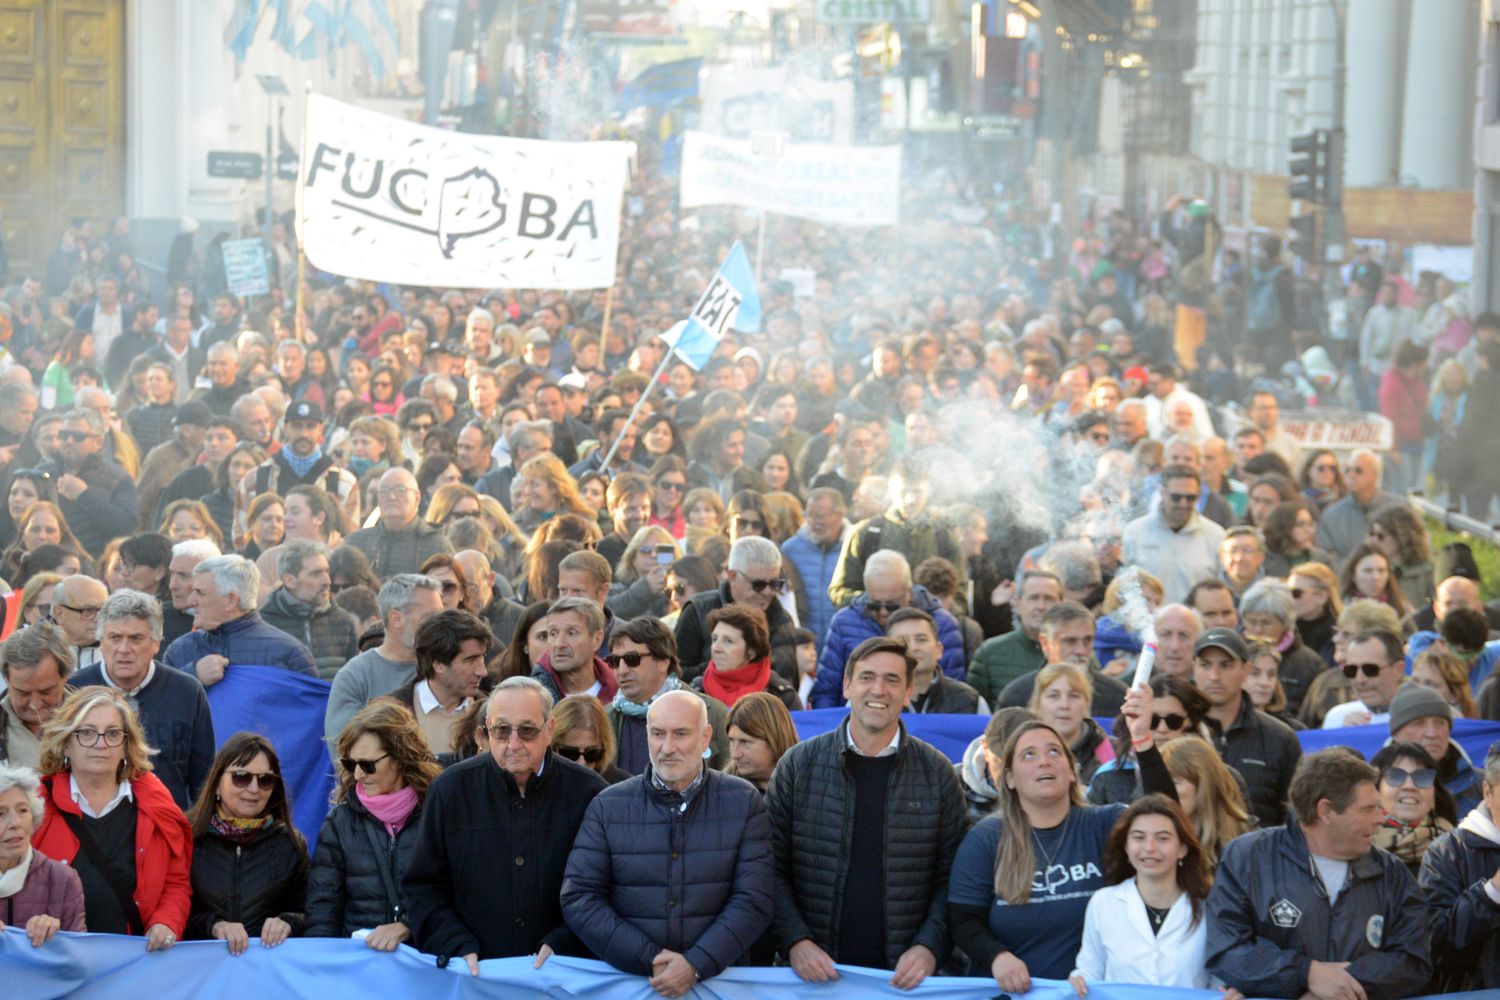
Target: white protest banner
[
  {"x": 843, "y": 185},
  {"x": 385, "y": 200},
  {"x": 245, "y": 270},
  {"x": 738, "y": 101},
  {"x": 1338, "y": 430}
]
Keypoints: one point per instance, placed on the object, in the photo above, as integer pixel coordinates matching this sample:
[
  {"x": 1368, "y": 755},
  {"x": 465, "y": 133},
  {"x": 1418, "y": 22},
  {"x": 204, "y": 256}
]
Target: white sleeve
[{"x": 1092, "y": 960}]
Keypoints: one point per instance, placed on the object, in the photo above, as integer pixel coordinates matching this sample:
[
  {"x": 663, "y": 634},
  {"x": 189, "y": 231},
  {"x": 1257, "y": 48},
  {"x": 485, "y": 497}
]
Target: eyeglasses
[
  {"x": 91, "y": 737},
  {"x": 1422, "y": 777},
  {"x": 501, "y": 732},
  {"x": 381, "y": 383},
  {"x": 1173, "y": 720},
  {"x": 1099, "y": 437},
  {"x": 591, "y": 755},
  {"x": 654, "y": 548},
  {"x": 670, "y": 484},
  {"x": 1183, "y": 497},
  {"x": 92, "y": 612},
  {"x": 422, "y": 426},
  {"x": 1326, "y": 467},
  {"x": 42, "y": 609},
  {"x": 367, "y": 766},
  {"x": 777, "y": 585},
  {"x": 266, "y": 780},
  {"x": 749, "y": 523},
  {"x": 75, "y": 435},
  {"x": 883, "y": 607},
  {"x": 1352, "y": 670},
  {"x": 631, "y": 660}
]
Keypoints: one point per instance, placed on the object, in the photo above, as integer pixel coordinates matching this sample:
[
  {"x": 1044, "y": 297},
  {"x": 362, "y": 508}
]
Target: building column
[
  {"x": 1373, "y": 92},
  {"x": 1438, "y": 110}
]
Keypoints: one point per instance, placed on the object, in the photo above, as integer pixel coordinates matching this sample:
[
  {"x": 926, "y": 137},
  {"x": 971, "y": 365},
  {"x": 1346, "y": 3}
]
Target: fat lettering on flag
[{"x": 718, "y": 307}]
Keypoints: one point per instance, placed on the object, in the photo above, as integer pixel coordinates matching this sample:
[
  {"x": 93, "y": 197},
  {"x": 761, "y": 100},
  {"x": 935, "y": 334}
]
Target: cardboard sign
[{"x": 245, "y": 268}]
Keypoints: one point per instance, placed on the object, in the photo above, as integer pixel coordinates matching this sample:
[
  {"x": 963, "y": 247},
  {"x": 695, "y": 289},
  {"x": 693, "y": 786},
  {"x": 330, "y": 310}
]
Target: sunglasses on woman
[
  {"x": 590, "y": 755},
  {"x": 266, "y": 780},
  {"x": 1422, "y": 777},
  {"x": 367, "y": 766},
  {"x": 1173, "y": 720}
]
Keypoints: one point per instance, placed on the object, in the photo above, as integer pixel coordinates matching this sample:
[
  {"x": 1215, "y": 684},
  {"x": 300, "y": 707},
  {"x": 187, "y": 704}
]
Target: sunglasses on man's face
[
  {"x": 631, "y": 660},
  {"x": 1352, "y": 670},
  {"x": 777, "y": 585},
  {"x": 883, "y": 607}
]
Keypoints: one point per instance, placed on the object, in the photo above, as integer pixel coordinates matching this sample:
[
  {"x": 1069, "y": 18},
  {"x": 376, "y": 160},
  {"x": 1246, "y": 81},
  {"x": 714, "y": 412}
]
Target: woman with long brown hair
[
  {"x": 760, "y": 731},
  {"x": 1040, "y": 835},
  {"x": 249, "y": 862},
  {"x": 1208, "y": 793},
  {"x": 385, "y": 769}
]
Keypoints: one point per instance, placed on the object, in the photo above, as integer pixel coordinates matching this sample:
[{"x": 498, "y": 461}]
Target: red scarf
[{"x": 729, "y": 686}]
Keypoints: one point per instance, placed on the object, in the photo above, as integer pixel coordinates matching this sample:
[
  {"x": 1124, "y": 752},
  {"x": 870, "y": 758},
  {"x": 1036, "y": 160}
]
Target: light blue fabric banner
[
  {"x": 287, "y": 709},
  {"x": 108, "y": 967}
]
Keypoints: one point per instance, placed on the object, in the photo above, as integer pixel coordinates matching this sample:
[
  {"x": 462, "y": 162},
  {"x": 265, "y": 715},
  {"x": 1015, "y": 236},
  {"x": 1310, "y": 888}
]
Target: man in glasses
[
  {"x": 171, "y": 705},
  {"x": 451, "y": 649},
  {"x": 888, "y": 587},
  {"x": 1313, "y": 908},
  {"x": 401, "y": 541},
  {"x": 302, "y": 606},
  {"x": 684, "y": 834},
  {"x": 1263, "y": 750},
  {"x": 1376, "y": 663},
  {"x": 300, "y": 462},
  {"x": 96, "y": 495},
  {"x": 1175, "y": 543},
  {"x": 75, "y": 608},
  {"x": 486, "y": 872},
  {"x": 1346, "y": 521},
  {"x": 643, "y": 655},
  {"x": 36, "y": 663},
  {"x": 1461, "y": 876},
  {"x": 753, "y": 577}
]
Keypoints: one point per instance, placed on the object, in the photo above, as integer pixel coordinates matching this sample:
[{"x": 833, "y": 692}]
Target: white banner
[
  {"x": 385, "y": 200},
  {"x": 843, "y": 185},
  {"x": 738, "y": 102}
]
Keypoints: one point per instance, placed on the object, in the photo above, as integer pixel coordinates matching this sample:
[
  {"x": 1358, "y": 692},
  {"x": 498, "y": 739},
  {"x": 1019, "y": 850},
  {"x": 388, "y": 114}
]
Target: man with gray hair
[
  {"x": 1345, "y": 522},
  {"x": 229, "y": 631},
  {"x": 222, "y": 369},
  {"x": 406, "y": 601},
  {"x": 177, "y": 619},
  {"x": 887, "y": 588},
  {"x": 754, "y": 577},
  {"x": 302, "y": 607},
  {"x": 1461, "y": 876},
  {"x": 171, "y": 704},
  {"x": 525, "y": 441},
  {"x": 36, "y": 663},
  {"x": 519, "y": 802},
  {"x": 96, "y": 495},
  {"x": 440, "y": 391}
]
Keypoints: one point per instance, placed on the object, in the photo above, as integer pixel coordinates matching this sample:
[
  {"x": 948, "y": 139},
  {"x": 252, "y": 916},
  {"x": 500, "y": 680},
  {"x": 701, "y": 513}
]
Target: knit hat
[{"x": 1416, "y": 701}]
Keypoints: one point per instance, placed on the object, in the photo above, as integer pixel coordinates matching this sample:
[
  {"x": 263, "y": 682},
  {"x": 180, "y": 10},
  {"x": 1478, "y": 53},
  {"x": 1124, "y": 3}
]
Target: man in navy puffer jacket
[
  {"x": 670, "y": 875},
  {"x": 888, "y": 587}
]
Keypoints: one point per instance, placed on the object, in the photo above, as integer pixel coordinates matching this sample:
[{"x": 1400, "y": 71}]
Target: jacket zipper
[{"x": 236, "y": 896}]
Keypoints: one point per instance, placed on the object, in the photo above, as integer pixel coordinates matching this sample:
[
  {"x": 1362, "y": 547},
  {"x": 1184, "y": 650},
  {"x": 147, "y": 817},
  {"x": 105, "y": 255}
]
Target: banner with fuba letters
[
  {"x": 841, "y": 185},
  {"x": 383, "y": 199}
]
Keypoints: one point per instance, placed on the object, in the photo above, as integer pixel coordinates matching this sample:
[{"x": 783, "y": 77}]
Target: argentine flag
[{"x": 730, "y": 302}]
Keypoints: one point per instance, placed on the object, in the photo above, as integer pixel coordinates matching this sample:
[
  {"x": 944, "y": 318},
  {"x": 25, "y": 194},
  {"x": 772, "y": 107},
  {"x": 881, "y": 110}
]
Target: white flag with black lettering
[{"x": 385, "y": 200}]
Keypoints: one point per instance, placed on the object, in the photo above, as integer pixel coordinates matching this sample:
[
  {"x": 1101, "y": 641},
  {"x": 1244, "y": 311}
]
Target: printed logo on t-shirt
[
  {"x": 1285, "y": 914},
  {"x": 1057, "y": 877},
  {"x": 1375, "y": 930}
]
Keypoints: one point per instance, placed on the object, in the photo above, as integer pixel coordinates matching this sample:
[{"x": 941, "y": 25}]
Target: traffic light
[
  {"x": 1304, "y": 242},
  {"x": 1308, "y": 165},
  {"x": 1333, "y": 167}
]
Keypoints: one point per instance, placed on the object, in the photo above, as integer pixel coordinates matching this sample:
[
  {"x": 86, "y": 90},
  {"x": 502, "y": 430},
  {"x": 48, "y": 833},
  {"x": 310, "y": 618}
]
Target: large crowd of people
[{"x": 567, "y": 610}]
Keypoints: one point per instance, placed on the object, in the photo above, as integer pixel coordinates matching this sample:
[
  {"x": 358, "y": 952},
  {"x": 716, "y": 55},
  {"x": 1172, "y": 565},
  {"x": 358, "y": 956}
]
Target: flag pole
[{"x": 635, "y": 411}]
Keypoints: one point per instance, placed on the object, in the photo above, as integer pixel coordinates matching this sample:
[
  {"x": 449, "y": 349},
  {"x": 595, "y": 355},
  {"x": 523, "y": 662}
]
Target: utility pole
[{"x": 1333, "y": 214}]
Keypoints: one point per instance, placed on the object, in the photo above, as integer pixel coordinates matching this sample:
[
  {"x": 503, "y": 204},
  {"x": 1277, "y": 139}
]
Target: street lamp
[{"x": 274, "y": 87}]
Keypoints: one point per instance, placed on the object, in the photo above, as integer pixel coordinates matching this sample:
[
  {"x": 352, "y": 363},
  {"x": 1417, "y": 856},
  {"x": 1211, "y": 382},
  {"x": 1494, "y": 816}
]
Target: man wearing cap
[
  {"x": 165, "y": 461},
  {"x": 1421, "y": 715},
  {"x": 150, "y": 423},
  {"x": 1263, "y": 750},
  {"x": 300, "y": 462},
  {"x": 536, "y": 352}
]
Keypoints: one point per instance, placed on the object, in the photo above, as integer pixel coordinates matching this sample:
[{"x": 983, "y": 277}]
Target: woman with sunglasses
[
  {"x": 385, "y": 768},
  {"x": 581, "y": 733},
  {"x": 687, "y": 576},
  {"x": 1418, "y": 809},
  {"x": 451, "y": 577},
  {"x": 669, "y": 480},
  {"x": 740, "y": 658},
  {"x": 1180, "y": 710},
  {"x": 249, "y": 862},
  {"x": 113, "y": 820},
  {"x": 384, "y": 393},
  {"x": 640, "y": 577},
  {"x": 1316, "y": 601},
  {"x": 1322, "y": 479}
]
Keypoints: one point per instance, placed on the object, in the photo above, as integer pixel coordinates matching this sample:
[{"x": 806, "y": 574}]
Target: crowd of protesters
[{"x": 967, "y": 475}]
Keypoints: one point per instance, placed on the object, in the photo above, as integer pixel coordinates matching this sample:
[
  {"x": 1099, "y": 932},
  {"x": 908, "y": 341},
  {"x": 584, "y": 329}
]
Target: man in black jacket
[
  {"x": 1314, "y": 908},
  {"x": 670, "y": 876},
  {"x": 301, "y": 607},
  {"x": 485, "y": 878},
  {"x": 1263, "y": 750},
  {"x": 95, "y": 494},
  {"x": 931, "y": 690},
  {"x": 865, "y": 821},
  {"x": 1461, "y": 876},
  {"x": 400, "y": 542}
]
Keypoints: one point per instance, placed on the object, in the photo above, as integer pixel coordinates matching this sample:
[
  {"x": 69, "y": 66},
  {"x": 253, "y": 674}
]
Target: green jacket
[
  {"x": 1001, "y": 660},
  {"x": 916, "y": 540}
]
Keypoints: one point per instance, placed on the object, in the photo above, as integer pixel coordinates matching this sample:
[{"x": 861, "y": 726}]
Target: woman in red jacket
[
  {"x": 113, "y": 820},
  {"x": 1403, "y": 399}
]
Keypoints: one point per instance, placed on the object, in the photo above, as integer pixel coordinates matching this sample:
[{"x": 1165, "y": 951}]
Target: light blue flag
[
  {"x": 731, "y": 301},
  {"x": 240, "y": 32}
]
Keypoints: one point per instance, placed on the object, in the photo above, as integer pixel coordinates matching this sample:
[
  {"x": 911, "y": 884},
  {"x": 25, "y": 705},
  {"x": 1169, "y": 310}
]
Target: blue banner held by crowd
[{"x": 286, "y": 708}]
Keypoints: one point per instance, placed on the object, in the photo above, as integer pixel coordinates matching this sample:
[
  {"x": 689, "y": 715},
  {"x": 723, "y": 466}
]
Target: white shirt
[
  {"x": 121, "y": 794},
  {"x": 890, "y": 748},
  {"x": 1118, "y": 946},
  {"x": 429, "y": 702},
  {"x": 108, "y": 326},
  {"x": 1178, "y": 558},
  {"x": 1336, "y": 715},
  {"x": 1203, "y": 426},
  {"x": 133, "y": 692}
]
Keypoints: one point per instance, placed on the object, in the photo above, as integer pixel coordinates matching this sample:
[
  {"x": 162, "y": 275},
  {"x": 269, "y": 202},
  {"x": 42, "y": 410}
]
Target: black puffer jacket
[
  {"x": 1465, "y": 920},
  {"x": 811, "y": 802},
  {"x": 1265, "y": 752},
  {"x": 356, "y": 871},
  {"x": 248, "y": 883},
  {"x": 330, "y": 633}
]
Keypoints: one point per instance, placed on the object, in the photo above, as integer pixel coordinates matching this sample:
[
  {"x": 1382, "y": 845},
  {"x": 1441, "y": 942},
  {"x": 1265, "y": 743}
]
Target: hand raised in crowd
[
  {"x": 232, "y": 934},
  {"x": 387, "y": 936},
  {"x": 1010, "y": 973},
  {"x": 915, "y": 964},
  {"x": 811, "y": 963},
  {"x": 160, "y": 937},
  {"x": 274, "y": 931},
  {"x": 671, "y": 974},
  {"x": 656, "y": 579},
  {"x": 1116, "y": 667},
  {"x": 1003, "y": 593},
  {"x": 39, "y": 929},
  {"x": 210, "y": 669},
  {"x": 1137, "y": 709},
  {"x": 1331, "y": 981},
  {"x": 542, "y": 954}
]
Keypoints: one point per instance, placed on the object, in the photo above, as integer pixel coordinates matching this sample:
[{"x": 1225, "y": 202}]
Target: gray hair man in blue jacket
[{"x": 705, "y": 830}]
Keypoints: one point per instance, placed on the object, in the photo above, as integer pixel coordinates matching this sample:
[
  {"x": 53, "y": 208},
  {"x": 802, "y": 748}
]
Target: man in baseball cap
[{"x": 300, "y": 461}]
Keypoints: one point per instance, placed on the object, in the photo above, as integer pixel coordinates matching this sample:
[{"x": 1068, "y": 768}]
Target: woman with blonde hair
[
  {"x": 36, "y": 597},
  {"x": 1440, "y": 669},
  {"x": 784, "y": 515},
  {"x": 99, "y": 792},
  {"x": 384, "y": 770},
  {"x": 186, "y": 519},
  {"x": 374, "y": 446},
  {"x": 1116, "y": 643},
  {"x": 42, "y": 524},
  {"x": 640, "y": 579},
  {"x": 1208, "y": 794},
  {"x": 548, "y": 490},
  {"x": 511, "y": 539},
  {"x": 1315, "y": 597},
  {"x": 760, "y": 731},
  {"x": 581, "y": 732},
  {"x": 1061, "y": 698}
]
